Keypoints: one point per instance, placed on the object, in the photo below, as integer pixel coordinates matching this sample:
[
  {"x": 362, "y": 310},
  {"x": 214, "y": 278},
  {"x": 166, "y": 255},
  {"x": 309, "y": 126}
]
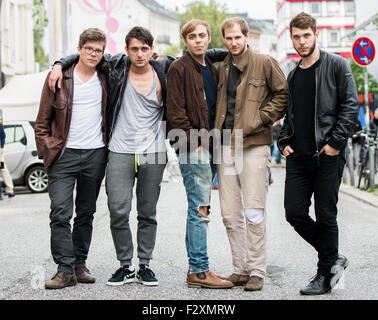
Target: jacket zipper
[{"x": 316, "y": 118}]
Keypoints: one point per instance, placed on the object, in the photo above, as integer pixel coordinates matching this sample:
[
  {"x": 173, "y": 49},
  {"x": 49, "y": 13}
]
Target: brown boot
[
  {"x": 84, "y": 276},
  {"x": 211, "y": 273},
  {"x": 254, "y": 284},
  {"x": 61, "y": 280},
  {"x": 207, "y": 280},
  {"x": 236, "y": 279}
]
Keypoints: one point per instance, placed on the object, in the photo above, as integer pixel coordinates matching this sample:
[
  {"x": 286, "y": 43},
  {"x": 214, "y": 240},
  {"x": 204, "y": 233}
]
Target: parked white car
[{"x": 21, "y": 156}]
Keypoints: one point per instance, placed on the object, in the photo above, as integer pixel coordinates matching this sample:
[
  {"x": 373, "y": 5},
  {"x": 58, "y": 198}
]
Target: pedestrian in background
[
  {"x": 7, "y": 179},
  {"x": 2, "y": 162},
  {"x": 322, "y": 111},
  {"x": 276, "y": 128},
  {"x": 70, "y": 133}
]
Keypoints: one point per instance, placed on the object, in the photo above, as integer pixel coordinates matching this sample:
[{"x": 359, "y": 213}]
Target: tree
[
  {"x": 40, "y": 22},
  {"x": 358, "y": 73},
  {"x": 172, "y": 51},
  {"x": 214, "y": 13}
]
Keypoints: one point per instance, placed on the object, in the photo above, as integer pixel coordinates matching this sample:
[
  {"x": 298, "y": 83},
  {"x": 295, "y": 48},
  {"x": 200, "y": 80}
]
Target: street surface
[{"x": 26, "y": 260}]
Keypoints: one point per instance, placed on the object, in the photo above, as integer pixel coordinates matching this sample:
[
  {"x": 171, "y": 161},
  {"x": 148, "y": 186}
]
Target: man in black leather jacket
[{"x": 322, "y": 110}]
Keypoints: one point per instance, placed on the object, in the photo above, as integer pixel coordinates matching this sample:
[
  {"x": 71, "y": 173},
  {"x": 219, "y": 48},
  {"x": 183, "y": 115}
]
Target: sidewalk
[
  {"x": 370, "y": 198},
  {"x": 363, "y": 196}
]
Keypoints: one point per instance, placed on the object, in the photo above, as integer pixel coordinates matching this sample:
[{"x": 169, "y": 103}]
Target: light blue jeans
[{"x": 197, "y": 172}]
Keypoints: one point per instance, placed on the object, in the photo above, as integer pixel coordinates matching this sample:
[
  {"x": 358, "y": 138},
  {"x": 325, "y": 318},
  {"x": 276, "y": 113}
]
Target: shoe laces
[
  {"x": 122, "y": 269},
  {"x": 86, "y": 270},
  {"x": 148, "y": 271},
  {"x": 315, "y": 278}
]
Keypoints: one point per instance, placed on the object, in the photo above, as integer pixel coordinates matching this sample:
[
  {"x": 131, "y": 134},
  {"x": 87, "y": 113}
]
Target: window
[
  {"x": 349, "y": 7},
  {"x": 315, "y": 8},
  {"x": 163, "y": 39},
  {"x": 333, "y": 8},
  {"x": 13, "y": 134},
  {"x": 334, "y": 37}
]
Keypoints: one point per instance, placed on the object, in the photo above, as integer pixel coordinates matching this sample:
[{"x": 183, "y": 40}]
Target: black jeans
[
  {"x": 86, "y": 168},
  {"x": 307, "y": 178}
]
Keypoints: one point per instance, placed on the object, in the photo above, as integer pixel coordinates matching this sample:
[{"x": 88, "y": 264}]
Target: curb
[{"x": 371, "y": 203}]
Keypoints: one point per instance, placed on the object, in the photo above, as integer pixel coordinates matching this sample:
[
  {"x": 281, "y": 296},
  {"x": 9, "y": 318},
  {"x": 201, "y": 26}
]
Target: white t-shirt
[{"x": 85, "y": 130}]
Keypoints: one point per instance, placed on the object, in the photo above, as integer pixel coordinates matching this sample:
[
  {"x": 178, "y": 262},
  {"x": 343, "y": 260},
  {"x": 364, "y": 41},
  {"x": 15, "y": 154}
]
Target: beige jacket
[{"x": 261, "y": 97}]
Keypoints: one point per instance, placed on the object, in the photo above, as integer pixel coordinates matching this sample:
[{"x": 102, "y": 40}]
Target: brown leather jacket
[
  {"x": 261, "y": 97},
  {"x": 186, "y": 104},
  {"x": 54, "y": 117}
]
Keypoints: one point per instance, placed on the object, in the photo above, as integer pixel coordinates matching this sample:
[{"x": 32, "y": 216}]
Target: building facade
[
  {"x": 335, "y": 19},
  {"x": 16, "y": 31},
  {"x": 262, "y": 34},
  {"x": 68, "y": 18}
]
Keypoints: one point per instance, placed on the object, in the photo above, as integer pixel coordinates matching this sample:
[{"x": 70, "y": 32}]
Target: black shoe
[
  {"x": 318, "y": 285},
  {"x": 146, "y": 276},
  {"x": 338, "y": 268},
  {"x": 10, "y": 195},
  {"x": 1, "y": 196},
  {"x": 123, "y": 275}
]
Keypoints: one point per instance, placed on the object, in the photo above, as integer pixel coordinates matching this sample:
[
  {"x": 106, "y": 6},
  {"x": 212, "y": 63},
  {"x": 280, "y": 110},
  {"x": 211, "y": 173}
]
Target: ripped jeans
[{"x": 197, "y": 172}]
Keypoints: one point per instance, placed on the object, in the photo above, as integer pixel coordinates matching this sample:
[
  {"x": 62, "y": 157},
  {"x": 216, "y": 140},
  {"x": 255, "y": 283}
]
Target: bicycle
[
  {"x": 368, "y": 166},
  {"x": 349, "y": 157}
]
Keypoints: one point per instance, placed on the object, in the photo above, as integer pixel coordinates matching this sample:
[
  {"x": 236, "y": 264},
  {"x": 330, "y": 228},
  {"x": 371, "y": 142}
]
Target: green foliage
[
  {"x": 214, "y": 13},
  {"x": 358, "y": 73},
  {"x": 172, "y": 51},
  {"x": 40, "y": 22}
]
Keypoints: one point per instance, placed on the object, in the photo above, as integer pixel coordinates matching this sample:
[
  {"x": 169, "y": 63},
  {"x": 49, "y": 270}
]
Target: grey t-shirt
[{"x": 139, "y": 127}]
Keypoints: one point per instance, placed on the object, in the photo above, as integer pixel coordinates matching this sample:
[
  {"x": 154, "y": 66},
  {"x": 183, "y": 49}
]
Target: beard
[
  {"x": 240, "y": 52},
  {"x": 310, "y": 52}
]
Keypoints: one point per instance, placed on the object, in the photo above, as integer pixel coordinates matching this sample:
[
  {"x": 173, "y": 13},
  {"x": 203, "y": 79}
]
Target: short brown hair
[
  {"x": 230, "y": 22},
  {"x": 92, "y": 34},
  {"x": 303, "y": 21},
  {"x": 191, "y": 25}
]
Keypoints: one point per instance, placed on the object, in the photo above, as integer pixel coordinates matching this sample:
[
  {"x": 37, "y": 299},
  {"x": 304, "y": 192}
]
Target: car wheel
[{"x": 37, "y": 180}]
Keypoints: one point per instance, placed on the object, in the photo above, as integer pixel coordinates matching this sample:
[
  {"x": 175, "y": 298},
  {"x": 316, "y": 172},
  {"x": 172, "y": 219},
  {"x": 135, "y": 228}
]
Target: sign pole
[{"x": 367, "y": 110}]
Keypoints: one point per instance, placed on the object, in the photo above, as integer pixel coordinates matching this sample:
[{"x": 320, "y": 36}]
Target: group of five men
[{"x": 107, "y": 113}]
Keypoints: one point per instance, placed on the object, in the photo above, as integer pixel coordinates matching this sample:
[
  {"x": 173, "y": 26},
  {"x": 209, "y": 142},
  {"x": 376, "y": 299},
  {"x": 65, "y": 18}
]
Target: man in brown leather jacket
[
  {"x": 252, "y": 95},
  {"x": 70, "y": 133},
  {"x": 191, "y": 97}
]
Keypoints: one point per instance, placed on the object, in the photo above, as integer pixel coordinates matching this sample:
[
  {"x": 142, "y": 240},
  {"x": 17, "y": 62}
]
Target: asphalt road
[{"x": 26, "y": 260}]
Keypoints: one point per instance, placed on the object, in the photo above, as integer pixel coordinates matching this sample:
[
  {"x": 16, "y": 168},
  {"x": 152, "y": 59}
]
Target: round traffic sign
[{"x": 363, "y": 51}]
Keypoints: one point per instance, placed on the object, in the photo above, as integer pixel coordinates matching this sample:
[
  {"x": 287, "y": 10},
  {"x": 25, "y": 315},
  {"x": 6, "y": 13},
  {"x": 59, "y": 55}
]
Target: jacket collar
[
  {"x": 244, "y": 61},
  {"x": 188, "y": 57},
  {"x": 323, "y": 55},
  {"x": 68, "y": 74}
]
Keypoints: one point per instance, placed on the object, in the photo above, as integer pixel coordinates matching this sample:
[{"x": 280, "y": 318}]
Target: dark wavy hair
[{"x": 141, "y": 34}]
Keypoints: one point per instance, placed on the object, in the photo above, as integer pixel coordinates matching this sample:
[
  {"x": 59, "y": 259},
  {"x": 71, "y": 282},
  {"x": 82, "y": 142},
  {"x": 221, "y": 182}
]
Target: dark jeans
[
  {"x": 307, "y": 178},
  {"x": 86, "y": 168}
]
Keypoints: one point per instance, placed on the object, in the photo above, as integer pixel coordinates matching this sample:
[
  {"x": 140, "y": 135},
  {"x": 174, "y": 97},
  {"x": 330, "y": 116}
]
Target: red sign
[{"x": 363, "y": 51}]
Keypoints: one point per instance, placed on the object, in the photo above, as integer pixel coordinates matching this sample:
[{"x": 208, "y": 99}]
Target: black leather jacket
[
  {"x": 116, "y": 70},
  {"x": 336, "y": 105}
]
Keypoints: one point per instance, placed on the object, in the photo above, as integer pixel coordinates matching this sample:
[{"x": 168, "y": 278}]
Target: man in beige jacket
[{"x": 252, "y": 95}]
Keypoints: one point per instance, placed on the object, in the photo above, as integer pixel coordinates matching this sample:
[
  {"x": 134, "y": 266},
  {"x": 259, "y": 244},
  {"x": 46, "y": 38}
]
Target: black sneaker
[
  {"x": 146, "y": 276},
  {"x": 318, "y": 285},
  {"x": 338, "y": 268},
  {"x": 123, "y": 275}
]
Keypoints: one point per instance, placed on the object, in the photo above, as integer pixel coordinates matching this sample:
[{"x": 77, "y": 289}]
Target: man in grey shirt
[{"x": 136, "y": 150}]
